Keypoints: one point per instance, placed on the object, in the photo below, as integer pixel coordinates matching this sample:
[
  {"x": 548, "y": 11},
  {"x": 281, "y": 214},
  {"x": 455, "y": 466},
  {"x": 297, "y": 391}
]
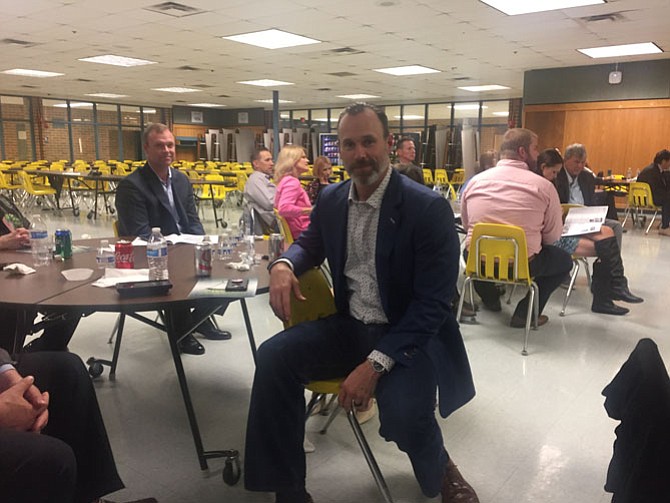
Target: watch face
[{"x": 377, "y": 367}]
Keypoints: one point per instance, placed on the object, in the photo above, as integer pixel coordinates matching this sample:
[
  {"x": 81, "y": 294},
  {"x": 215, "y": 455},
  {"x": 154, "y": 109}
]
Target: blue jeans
[{"x": 325, "y": 349}]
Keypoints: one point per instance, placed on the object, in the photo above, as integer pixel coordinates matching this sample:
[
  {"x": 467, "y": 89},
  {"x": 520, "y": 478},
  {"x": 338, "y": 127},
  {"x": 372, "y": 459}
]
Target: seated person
[
  {"x": 53, "y": 442},
  {"x": 259, "y": 192},
  {"x": 405, "y": 152},
  {"x": 291, "y": 200},
  {"x": 156, "y": 195},
  {"x": 577, "y": 185},
  {"x": 512, "y": 194},
  {"x": 657, "y": 175},
  {"x": 609, "y": 282},
  {"x": 321, "y": 170},
  {"x": 58, "y": 325}
]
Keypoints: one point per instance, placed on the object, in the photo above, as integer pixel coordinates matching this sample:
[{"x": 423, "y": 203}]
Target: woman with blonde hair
[
  {"x": 322, "y": 170},
  {"x": 291, "y": 200}
]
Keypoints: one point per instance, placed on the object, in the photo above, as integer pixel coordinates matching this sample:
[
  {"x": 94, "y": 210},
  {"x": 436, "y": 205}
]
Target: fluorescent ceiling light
[
  {"x": 324, "y": 119},
  {"x": 206, "y": 105},
  {"x": 148, "y": 111},
  {"x": 409, "y": 117},
  {"x": 272, "y": 39},
  {"x": 477, "y": 89},
  {"x": 358, "y": 96},
  {"x": 278, "y": 101},
  {"x": 107, "y": 95},
  {"x": 32, "y": 73},
  {"x": 112, "y": 59},
  {"x": 75, "y": 104},
  {"x": 176, "y": 89},
  {"x": 407, "y": 70},
  {"x": 621, "y": 50},
  {"x": 514, "y": 7},
  {"x": 266, "y": 83},
  {"x": 501, "y": 114}
]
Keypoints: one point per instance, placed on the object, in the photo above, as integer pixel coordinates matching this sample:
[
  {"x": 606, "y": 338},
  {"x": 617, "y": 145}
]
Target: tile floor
[{"x": 536, "y": 431}]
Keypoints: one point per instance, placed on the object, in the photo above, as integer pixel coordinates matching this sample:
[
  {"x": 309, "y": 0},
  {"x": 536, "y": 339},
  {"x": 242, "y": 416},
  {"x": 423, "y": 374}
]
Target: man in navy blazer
[
  {"x": 157, "y": 195},
  {"x": 393, "y": 251}
]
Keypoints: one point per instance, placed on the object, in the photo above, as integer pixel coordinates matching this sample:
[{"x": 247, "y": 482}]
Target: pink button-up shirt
[
  {"x": 290, "y": 201},
  {"x": 512, "y": 194}
]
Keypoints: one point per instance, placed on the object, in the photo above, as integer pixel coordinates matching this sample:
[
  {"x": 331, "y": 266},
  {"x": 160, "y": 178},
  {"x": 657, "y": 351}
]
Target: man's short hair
[
  {"x": 257, "y": 153},
  {"x": 513, "y": 140},
  {"x": 402, "y": 141},
  {"x": 575, "y": 150},
  {"x": 359, "y": 108},
  {"x": 661, "y": 155},
  {"x": 154, "y": 127}
]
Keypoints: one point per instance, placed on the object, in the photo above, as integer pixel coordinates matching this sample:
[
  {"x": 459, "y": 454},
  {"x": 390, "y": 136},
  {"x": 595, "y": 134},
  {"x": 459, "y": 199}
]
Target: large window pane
[
  {"x": 393, "y": 114},
  {"x": 108, "y": 142},
  {"x": 132, "y": 143},
  {"x": 54, "y": 110},
  {"x": 130, "y": 116},
  {"x": 300, "y": 118},
  {"x": 81, "y": 111},
  {"x": 320, "y": 121},
  {"x": 83, "y": 142},
  {"x": 152, "y": 114},
  {"x": 439, "y": 114},
  {"x": 107, "y": 114},
  {"x": 494, "y": 124},
  {"x": 18, "y": 141},
  {"x": 466, "y": 113},
  {"x": 14, "y": 107}
]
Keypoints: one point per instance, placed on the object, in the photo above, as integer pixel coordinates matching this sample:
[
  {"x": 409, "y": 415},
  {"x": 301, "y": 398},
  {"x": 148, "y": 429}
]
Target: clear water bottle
[
  {"x": 157, "y": 255},
  {"x": 40, "y": 246},
  {"x": 104, "y": 257},
  {"x": 629, "y": 173}
]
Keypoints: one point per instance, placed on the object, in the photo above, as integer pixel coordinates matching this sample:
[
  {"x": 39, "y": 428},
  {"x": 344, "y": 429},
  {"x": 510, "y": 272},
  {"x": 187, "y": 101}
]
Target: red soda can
[{"x": 123, "y": 255}]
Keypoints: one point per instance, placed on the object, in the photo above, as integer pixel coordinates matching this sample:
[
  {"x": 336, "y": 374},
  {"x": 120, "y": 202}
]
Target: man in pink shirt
[{"x": 511, "y": 193}]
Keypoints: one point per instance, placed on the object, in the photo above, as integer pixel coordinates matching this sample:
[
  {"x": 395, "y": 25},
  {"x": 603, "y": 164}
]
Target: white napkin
[
  {"x": 18, "y": 268},
  {"x": 114, "y": 276},
  {"x": 238, "y": 266}
]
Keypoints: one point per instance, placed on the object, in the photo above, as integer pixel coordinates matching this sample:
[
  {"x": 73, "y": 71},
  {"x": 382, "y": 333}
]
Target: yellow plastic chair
[
  {"x": 640, "y": 200},
  {"x": 284, "y": 229},
  {"x": 428, "y": 177},
  {"x": 577, "y": 260},
  {"x": 457, "y": 180},
  {"x": 6, "y": 184},
  {"x": 320, "y": 303},
  {"x": 35, "y": 191},
  {"x": 498, "y": 254}
]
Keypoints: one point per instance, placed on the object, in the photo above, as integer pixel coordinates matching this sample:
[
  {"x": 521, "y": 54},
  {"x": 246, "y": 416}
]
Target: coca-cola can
[
  {"x": 275, "y": 247},
  {"x": 123, "y": 255},
  {"x": 203, "y": 259}
]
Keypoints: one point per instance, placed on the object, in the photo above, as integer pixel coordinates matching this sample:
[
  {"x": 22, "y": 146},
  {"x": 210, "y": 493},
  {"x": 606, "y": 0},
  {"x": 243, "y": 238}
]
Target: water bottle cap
[{"x": 155, "y": 229}]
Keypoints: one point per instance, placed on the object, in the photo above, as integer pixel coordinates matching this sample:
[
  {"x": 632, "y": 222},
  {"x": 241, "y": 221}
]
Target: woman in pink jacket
[{"x": 291, "y": 200}]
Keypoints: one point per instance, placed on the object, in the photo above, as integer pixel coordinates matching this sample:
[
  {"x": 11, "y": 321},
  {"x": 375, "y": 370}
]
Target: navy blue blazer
[
  {"x": 417, "y": 259},
  {"x": 586, "y": 181},
  {"x": 141, "y": 204}
]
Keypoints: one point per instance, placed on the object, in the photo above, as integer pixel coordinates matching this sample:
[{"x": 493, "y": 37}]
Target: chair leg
[
  {"x": 571, "y": 286},
  {"x": 533, "y": 312},
  {"x": 331, "y": 417},
  {"x": 369, "y": 457},
  {"x": 652, "y": 222},
  {"x": 509, "y": 297}
]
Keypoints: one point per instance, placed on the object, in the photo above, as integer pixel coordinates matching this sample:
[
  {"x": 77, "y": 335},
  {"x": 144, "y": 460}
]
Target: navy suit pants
[{"x": 326, "y": 349}]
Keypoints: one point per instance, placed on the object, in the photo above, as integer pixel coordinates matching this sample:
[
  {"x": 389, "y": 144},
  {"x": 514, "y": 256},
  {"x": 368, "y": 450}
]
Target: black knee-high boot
[
  {"x": 608, "y": 252},
  {"x": 601, "y": 288}
]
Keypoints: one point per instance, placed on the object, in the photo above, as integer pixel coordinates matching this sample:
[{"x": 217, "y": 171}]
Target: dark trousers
[
  {"x": 71, "y": 461},
  {"x": 325, "y": 349},
  {"x": 547, "y": 268},
  {"x": 59, "y": 327}
]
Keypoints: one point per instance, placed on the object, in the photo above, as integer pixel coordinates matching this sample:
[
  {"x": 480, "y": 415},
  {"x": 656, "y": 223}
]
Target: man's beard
[{"x": 367, "y": 178}]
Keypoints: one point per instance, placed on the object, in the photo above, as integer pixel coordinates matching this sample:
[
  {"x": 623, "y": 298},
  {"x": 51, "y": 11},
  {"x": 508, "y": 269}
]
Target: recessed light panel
[
  {"x": 106, "y": 95},
  {"x": 32, "y": 73},
  {"x": 266, "y": 83},
  {"x": 409, "y": 117},
  {"x": 514, "y": 7},
  {"x": 176, "y": 90},
  {"x": 112, "y": 59},
  {"x": 407, "y": 70},
  {"x": 621, "y": 50},
  {"x": 479, "y": 89},
  {"x": 278, "y": 101},
  {"x": 501, "y": 114},
  {"x": 358, "y": 96},
  {"x": 272, "y": 39},
  {"x": 206, "y": 105}
]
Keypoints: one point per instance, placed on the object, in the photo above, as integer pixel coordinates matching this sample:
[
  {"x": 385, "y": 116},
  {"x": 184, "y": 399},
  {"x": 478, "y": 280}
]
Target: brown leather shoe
[
  {"x": 519, "y": 322},
  {"x": 454, "y": 487}
]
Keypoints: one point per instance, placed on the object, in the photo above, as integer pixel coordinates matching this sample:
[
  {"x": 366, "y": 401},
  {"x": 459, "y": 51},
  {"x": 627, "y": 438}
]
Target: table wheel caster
[
  {"x": 224, "y": 224},
  {"x": 231, "y": 468},
  {"x": 111, "y": 210},
  {"x": 90, "y": 215},
  {"x": 95, "y": 368},
  {"x": 75, "y": 212}
]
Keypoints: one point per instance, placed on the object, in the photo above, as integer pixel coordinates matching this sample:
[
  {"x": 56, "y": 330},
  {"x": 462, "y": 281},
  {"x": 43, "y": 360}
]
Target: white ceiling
[{"x": 465, "y": 39}]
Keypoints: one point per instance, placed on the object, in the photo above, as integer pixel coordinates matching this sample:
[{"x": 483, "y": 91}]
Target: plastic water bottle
[
  {"x": 157, "y": 255},
  {"x": 104, "y": 256},
  {"x": 629, "y": 173},
  {"x": 40, "y": 245}
]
